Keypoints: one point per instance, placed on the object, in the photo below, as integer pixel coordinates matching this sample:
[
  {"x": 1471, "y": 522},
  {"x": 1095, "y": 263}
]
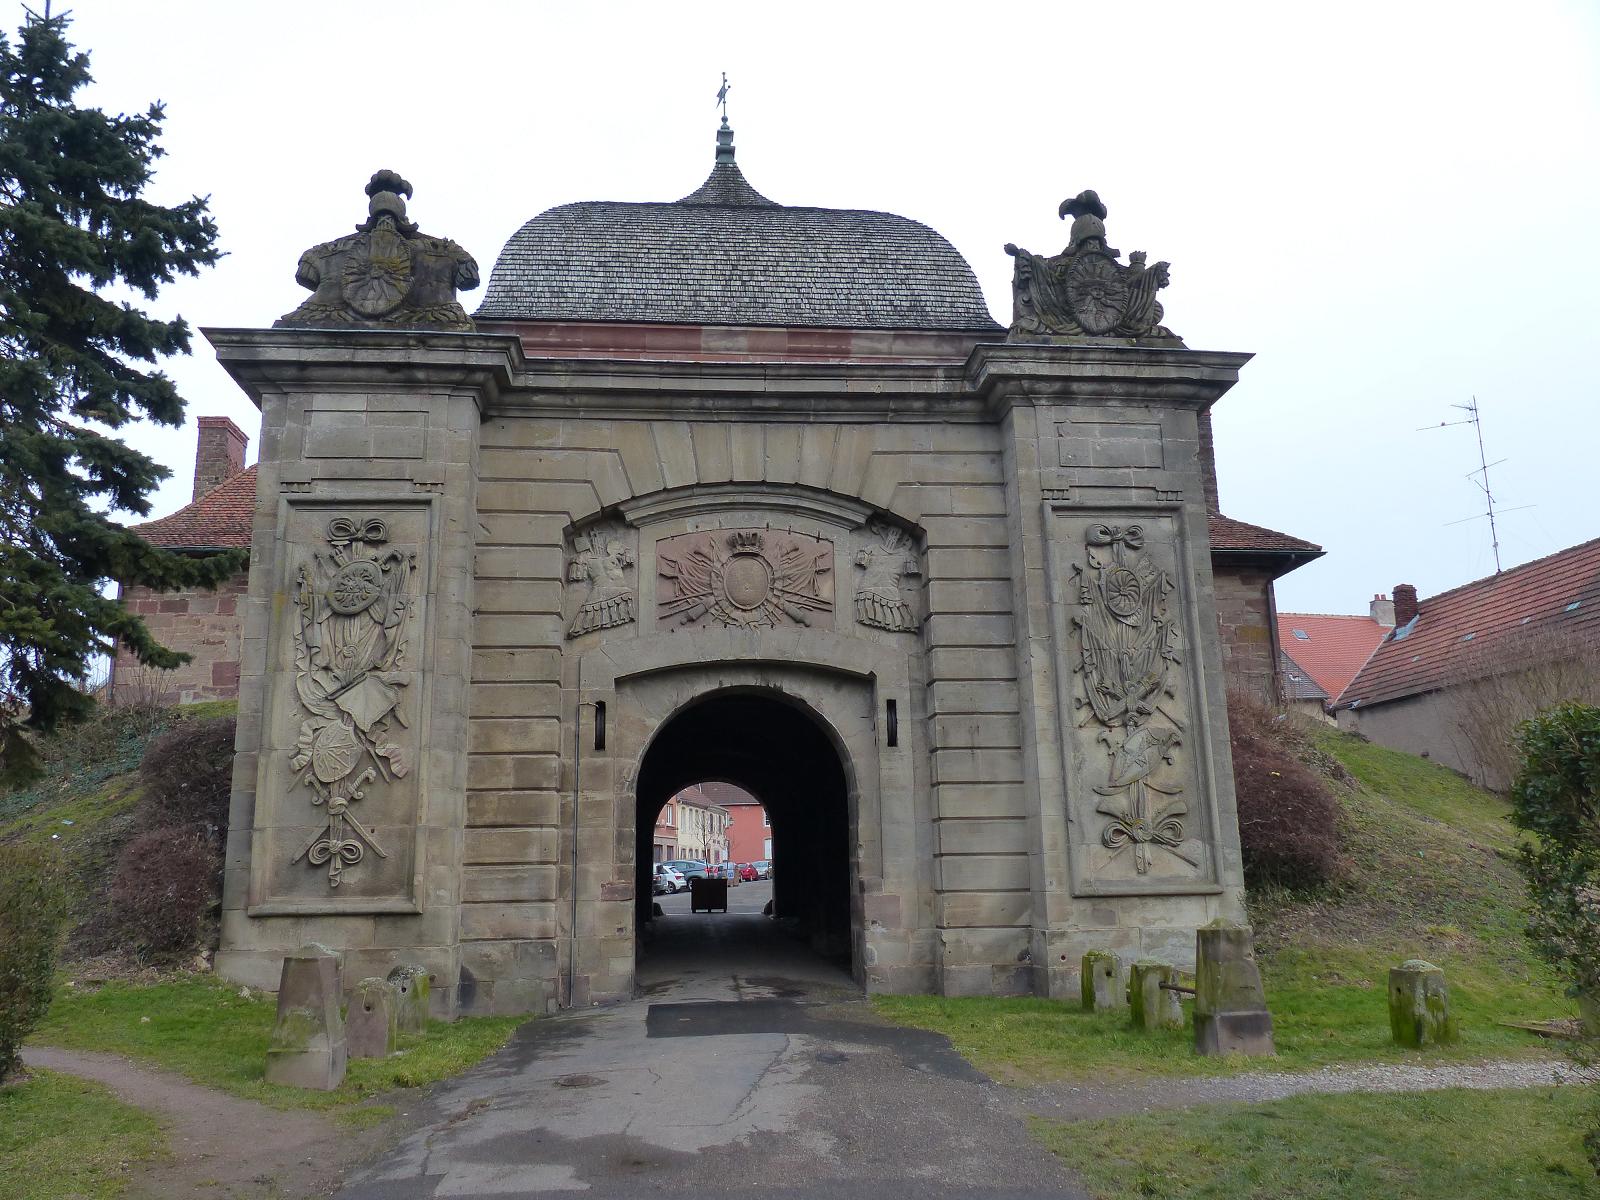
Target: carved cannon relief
[{"x": 745, "y": 578}]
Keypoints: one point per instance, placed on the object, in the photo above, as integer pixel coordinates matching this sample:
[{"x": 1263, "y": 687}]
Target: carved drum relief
[
  {"x": 745, "y": 578},
  {"x": 1137, "y": 783}
]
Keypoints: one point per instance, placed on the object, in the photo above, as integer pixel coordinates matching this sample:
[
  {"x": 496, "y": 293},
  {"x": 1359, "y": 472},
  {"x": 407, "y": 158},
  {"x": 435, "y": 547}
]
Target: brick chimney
[
  {"x": 1405, "y": 603},
  {"x": 1383, "y": 610},
  {"x": 220, "y": 455}
]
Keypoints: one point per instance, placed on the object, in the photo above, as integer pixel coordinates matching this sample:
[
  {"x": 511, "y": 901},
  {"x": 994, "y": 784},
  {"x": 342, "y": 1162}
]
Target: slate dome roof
[{"x": 727, "y": 255}]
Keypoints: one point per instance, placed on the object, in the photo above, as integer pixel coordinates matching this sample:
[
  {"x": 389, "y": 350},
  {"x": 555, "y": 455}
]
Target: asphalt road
[{"x": 747, "y": 1066}]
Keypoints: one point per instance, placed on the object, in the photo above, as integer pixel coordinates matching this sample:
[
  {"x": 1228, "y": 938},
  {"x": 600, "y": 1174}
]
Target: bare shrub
[
  {"x": 1497, "y": 687},
  {"x": 164, "y": 883},
  {"x": 1288, "y": 816},
  {"x": 187, "y": 775}
]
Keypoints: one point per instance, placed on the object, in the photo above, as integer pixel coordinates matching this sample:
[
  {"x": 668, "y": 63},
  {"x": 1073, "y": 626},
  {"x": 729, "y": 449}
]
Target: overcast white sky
[{"x": 1393, "y": 205}]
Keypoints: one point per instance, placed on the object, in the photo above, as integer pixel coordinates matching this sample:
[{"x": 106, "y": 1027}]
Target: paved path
[
  {"x": 220, "y": 1145},
  {"x": 749, "y": 1067},
  {"x": 1079, "y": 1102}
]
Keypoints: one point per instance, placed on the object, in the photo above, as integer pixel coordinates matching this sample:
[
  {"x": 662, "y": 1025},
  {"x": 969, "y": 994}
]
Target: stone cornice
[{"x": 1006, "y": 374}]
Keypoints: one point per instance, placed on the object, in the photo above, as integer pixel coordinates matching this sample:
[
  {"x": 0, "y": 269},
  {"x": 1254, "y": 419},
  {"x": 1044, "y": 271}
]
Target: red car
[{"x": 748, "y": 873}]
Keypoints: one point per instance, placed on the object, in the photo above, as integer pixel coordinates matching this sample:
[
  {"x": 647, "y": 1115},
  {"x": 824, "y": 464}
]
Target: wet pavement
[{"x": 748, "y": 1065}]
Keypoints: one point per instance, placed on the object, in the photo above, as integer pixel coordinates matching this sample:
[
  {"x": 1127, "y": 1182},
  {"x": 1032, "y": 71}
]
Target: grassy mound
[{"x": 84, "y": 805}]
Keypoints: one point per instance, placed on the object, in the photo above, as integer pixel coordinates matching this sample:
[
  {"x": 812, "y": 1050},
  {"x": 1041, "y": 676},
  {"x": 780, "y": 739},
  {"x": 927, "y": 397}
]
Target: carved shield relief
[{"x": 745, "y": 578}]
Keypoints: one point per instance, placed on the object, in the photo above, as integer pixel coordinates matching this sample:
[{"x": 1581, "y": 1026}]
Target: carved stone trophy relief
[
  {"x": 888, "y": 558},
  {"x": 1085, "y": 291},
  {"x": 1128, "y": 662},
  {"x": 353, "y": 609},
  {"x": 601, "y": 557},
  {"x": 745, "y": 578}
]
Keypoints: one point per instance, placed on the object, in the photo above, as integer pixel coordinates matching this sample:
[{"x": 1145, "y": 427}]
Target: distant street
[{"x": 747, "y": 1066}]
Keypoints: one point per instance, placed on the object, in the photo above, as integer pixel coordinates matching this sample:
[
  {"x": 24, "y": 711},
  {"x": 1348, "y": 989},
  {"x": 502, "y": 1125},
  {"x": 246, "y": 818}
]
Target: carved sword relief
[
  {"x": 1128, "y": 648},
  {"x": 353, "y": 607}
]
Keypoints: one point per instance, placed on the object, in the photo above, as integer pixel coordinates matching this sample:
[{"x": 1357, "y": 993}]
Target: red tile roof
[
  {"x": 1333, "y": 648},
  {"x": 1463, "y": 633},
  {"x": 1237, "y": 537},
  {"x": 219, "y": 520}
]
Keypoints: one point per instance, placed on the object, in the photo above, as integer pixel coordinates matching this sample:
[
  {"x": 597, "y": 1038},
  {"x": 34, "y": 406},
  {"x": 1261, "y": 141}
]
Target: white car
[{"x": 668, "y": 879}]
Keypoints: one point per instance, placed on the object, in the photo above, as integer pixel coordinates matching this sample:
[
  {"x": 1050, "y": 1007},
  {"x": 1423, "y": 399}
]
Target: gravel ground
[{"x": 1104, "y": 1099}]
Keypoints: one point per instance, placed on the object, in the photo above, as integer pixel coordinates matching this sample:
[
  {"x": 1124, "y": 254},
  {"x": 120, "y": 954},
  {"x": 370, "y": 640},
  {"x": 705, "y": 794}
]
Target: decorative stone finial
[
  {"x": 385, "y": 275},
  {"x": 1085, "y": 292}
]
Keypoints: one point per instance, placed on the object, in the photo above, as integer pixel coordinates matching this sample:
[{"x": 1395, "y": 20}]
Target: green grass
[
  {"x": 1462, "y": 1145},
  {"x": 66, "y": 1137},
  {"x": 1428, "y": 875},
  {"x": 207, "y": 1031}
]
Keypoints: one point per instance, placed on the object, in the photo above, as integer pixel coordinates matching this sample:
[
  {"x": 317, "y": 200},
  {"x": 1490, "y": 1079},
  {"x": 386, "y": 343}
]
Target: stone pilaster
[
  {"x": 350, "y": 776},
  {"x": 1128, "y": 776}
]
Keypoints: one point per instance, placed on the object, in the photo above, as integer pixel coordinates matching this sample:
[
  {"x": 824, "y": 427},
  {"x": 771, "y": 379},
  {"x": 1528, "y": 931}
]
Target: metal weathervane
[{"x": 722, "y": 95}]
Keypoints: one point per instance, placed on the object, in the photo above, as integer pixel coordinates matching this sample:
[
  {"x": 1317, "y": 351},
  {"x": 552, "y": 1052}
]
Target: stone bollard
[
  {"x": 370, "y": 1027},
  {"x": 411, "y": 985},
  {"x": 1105, "y": 984},
  {"x": 1154, "y": 1007},
  {"x": 307, "y": 1049},
  {"x": 1419, "y": 1005},
  {"x": 1230, "y": 1008}
]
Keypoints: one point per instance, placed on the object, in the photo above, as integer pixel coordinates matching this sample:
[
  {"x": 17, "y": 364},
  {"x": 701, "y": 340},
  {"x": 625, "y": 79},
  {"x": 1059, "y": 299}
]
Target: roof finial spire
[
  {"x": 722, "y": 96},
  {"x": 725, "y": 134}
]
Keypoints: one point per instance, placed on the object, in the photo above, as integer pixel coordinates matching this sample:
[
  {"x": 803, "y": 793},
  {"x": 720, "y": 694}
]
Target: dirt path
[
  {"x": 221, "y": 1145},
  {"x": 1089, "y": 1101}
]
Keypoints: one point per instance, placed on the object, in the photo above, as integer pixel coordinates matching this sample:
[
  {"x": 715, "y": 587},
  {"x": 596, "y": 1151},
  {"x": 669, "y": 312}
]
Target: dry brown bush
[{"x": 1288, "y": 815}]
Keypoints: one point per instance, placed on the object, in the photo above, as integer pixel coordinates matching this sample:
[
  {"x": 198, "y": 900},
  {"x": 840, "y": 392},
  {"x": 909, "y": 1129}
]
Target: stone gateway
[{"x": 722, "y": 489}]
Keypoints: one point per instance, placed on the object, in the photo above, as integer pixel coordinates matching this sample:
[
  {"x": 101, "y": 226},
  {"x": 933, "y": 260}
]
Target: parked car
[
  {"x": 748, "y": 872},
  {"x": 689, "y": 868},
  {"x": 763, "y": 868},
  {"x": 666, "y": 879}
]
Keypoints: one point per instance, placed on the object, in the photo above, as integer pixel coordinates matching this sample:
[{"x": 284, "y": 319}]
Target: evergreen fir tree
[{"x": 74, "y": 368}]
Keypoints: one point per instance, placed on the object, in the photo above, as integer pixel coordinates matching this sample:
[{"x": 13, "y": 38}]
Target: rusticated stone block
[
  {"x": 370, "y": 1024},
  {"x": 411, "y": 986},
  {"x": 1154, "y": 1006},
  {"x": 1230, "y": 1007},
  {"x": 308, "y": 1048},
  {"x": 1419, "y": 1005},
  {"x": 1105, "y": 983}
]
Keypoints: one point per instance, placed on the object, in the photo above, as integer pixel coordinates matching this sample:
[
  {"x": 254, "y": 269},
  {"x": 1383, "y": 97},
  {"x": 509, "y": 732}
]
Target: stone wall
[{"x": 202, "y": 624}]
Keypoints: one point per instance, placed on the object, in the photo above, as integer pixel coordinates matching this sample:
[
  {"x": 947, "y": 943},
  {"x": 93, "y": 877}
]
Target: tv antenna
[{"x": 1480, "y": 477}]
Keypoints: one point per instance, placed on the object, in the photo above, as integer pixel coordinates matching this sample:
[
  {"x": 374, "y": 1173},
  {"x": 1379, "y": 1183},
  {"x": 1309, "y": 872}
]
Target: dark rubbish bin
[{"x": 708, "y": 895}]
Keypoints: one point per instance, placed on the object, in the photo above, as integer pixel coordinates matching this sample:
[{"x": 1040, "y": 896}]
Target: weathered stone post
[
  {"x": 1154, "y": 1006},
  {"x": 1230, "y": 1007},
  {"x": 308, "y": 1048},
  {"x": 1419, "y": 1005},
  {"x": 1105, "y": 982},
  {"x": 411, "y": 988},
  {"x": 370, "y": 1027}
]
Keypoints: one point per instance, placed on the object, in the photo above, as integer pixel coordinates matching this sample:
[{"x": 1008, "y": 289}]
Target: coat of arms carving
[
  {"x": 744, "y": 578},
  {"x": 385, "y": 275},
  {"x": 601, "y": 558},
  {"x": 888, "y": 558},
  {"x": 1086, "y": 291},
  {"x": 1128, "y": 648},
  {"x": 352, "y": 609}
]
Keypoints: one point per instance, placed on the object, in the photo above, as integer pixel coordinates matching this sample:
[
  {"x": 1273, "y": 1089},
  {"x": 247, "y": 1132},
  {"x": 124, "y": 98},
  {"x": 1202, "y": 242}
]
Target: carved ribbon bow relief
[{"x": 352, "y": 610}]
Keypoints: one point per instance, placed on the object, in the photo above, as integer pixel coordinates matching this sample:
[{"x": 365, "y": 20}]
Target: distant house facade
[
  {"x": 700, "y": 823},
  {"x": 1322, "y": 653},
  {"x": 1459, "y": 669},
  {"x": 205, "y": 625}
]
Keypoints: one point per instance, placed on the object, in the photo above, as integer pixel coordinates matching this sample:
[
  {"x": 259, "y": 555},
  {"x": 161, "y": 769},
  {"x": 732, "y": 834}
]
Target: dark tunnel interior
[{"x": 779, "y": 753}]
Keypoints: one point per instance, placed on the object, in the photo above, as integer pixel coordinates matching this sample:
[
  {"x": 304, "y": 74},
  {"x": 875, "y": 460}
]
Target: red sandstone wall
[
  {"x": 1246, "y": 618},
  {"x": 204, "y": 624}
]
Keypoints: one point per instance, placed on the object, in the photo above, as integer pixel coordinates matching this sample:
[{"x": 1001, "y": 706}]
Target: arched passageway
[{"x": 780, "y": 753}]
